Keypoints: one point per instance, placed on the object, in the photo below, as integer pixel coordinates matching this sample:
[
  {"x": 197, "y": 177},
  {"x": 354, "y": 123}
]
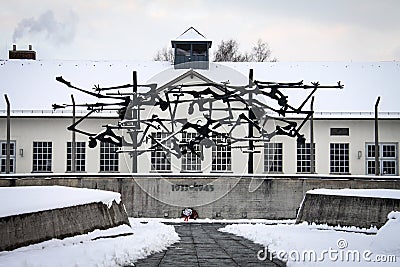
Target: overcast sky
[{"x": 309, "y": 30}]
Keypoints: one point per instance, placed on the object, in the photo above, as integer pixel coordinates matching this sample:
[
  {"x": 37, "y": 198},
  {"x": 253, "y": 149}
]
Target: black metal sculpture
[{"x": 233, "y": 101}]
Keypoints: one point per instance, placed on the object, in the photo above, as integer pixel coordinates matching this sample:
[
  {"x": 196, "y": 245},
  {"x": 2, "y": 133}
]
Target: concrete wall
[
  {"x": 225, "y": 196},
  {"x": 30, "y": 228},
  {"x": 346, "y": 210}
]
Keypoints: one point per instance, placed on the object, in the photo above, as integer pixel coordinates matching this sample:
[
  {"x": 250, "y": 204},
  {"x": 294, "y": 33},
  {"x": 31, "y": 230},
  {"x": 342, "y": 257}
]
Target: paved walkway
[{"x": 202, "y": 244}]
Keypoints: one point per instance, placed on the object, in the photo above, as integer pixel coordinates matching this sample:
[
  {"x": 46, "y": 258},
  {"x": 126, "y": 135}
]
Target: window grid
[
  {"x": 304, "y": 158},
  {"x": 160, "y": 160},
  {"x": 80, "y": 156},
  {"x": 221, "y": 154},
  {"x": 3, "y": 157},
  {"x": 190, "y": 161},
  {"x": 387, "y": 159},
  {"x": 109, "y": 160},
  {"x": 42, "y": 156},
  {"x": 273, "y": 157},
  {"x": 339, "y": 158}
]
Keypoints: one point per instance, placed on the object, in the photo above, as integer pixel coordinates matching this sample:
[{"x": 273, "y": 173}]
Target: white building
[{"x": 343, "y": 133}]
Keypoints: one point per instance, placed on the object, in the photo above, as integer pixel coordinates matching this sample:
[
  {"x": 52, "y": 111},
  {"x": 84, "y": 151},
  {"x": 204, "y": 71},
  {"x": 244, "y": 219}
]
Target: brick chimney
[{"x": 22, "y": 54}]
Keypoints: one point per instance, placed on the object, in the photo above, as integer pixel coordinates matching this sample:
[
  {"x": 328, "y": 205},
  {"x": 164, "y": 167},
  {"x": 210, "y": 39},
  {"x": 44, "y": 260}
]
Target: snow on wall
[
  {"x": 28, "y": 199},
  {"x": 377, "y": 193}
]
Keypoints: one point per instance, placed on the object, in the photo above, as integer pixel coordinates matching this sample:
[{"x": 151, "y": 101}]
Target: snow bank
[
  {"x": 92, "y": 250},
  {"x": 27, "y": 199},
  {"x": 387, "y": 238},
  {"x": 331, "y": 246},
  {"x": 376, "y": 193}
]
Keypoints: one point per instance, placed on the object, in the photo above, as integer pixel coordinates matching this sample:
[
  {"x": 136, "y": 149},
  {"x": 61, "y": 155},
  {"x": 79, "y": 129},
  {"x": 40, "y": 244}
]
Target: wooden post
[
  {"x": 377, "y": 167},
  {"x": 250, "y": 162},
  {"x": 312, "y": 155},
  {"x": 73, "y": 143},
  {"x": 8, "y": 130}
]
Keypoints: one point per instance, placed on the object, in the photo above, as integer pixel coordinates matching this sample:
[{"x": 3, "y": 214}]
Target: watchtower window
[
  {"x": 183, "y": 50},
  {"x": 199, "y": 49}
]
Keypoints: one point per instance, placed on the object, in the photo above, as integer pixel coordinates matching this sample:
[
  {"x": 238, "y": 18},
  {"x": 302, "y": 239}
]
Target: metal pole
[
  {"x": 135, "y": 109},
  {"x": 312, "y": 155},
  {"x": 250, "y": 163},
  {"x": 73, "y": 147},
  {"x": 8, "y": 144},
  {"x": 377, "y": 167}
]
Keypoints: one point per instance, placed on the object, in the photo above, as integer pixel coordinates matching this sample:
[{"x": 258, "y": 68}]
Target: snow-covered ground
[
  {"x": 91, "y": 250},
  {"x": 222, "y": 221},
  {"x": 301, "y": 245},
  {"x": 319, "y": 245}
]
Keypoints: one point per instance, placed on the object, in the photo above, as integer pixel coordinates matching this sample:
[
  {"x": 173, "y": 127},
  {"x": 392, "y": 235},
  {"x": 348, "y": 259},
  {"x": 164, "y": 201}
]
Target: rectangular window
[
  {"x": 304, "y": 158},
  {"x": 339, "y": 158},
  {"x": 80, "y": 156},
  {"x": 109, "y": 160},
  {"x": 191, "y": 161},
  {"x": 340, "y": 132},
  {"x": 3, "y": 156},
  {"x": 199, "y": 49},
  {"x": 42, "y": 156},
  {"x": 387, "y": 158},
  {"x": 273, "y": 157},
  {"x": 183, "y": 49},
  {"x": 221, "y": 154},
  {"x": 160, "y": 159}
]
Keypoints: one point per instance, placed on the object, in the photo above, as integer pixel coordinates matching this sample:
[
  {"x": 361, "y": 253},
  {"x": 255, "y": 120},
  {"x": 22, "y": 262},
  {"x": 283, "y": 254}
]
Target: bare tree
[
  {"x": 165, "y": 54},
  {"x": 261, "y": 52},
  {"x": 228, "y": 51}
]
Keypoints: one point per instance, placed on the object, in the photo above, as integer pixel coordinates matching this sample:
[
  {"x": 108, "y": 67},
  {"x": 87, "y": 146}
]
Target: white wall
[{"x": 27, "y": 130}]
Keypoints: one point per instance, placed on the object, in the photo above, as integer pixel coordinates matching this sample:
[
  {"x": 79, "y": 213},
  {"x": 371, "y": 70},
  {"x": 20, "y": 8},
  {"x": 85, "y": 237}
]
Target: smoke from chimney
[{"x": 55, "y": 31}]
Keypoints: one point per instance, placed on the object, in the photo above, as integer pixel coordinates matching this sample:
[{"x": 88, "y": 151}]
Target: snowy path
[{"x": 202, "y": 244}]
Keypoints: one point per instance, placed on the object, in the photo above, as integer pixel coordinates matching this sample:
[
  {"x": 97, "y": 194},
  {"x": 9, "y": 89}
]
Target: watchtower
[{"x": 191, "y": 50}]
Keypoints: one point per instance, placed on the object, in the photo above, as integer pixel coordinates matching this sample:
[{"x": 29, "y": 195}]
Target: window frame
[
  {"x": 38, "y": 155},
  {"x": 273, "y": 162},
  {"x": 341, "y": 159},
  {"x": 108, "y": 155},
  {"x": 160, "y": 161},
  {"x": 80, "y": 157},
  {"x": 221, "y": 154},
  {"x": 339, "y": 131},
  {"x": 370, "y": 158},
  {"x": 3, "y": 156},
  {"x": 190, "y": 162},
  {"x": 303, "y": 160}
]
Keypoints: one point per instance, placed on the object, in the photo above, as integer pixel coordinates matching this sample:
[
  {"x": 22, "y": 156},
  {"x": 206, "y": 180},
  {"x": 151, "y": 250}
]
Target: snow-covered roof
[
  {"x": 31, "y": 85},
  {"x": 191, "y": 34},
  {"x": 27, "y": 199}
]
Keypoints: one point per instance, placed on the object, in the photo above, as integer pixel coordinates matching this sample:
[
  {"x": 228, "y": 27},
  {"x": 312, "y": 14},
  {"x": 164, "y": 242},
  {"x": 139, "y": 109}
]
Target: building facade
[
  {"x": 343, "y": 124},
  {"x": 343, "y": 145}
]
